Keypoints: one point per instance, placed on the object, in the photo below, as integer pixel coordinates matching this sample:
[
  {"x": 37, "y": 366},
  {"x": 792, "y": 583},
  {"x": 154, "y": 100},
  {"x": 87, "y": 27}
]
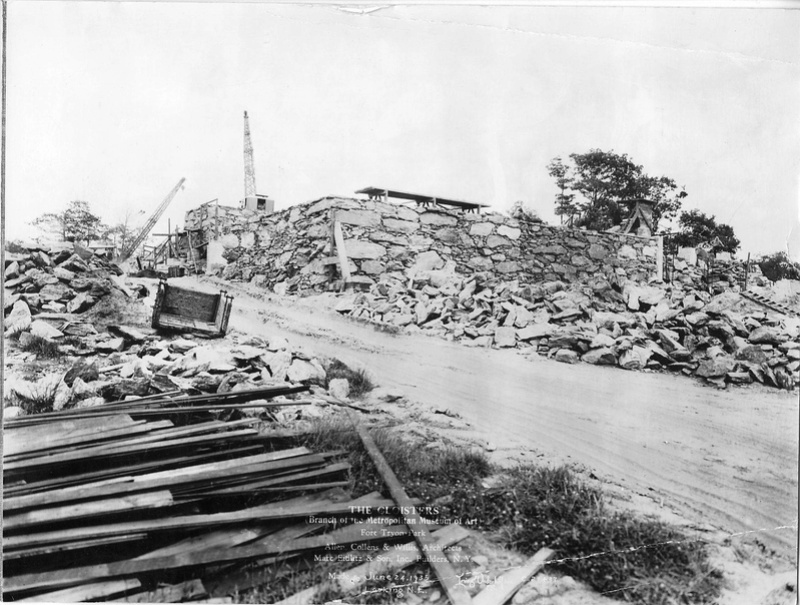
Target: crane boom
[
  {"x": 128, "y": 251},
  {"x": 249, "y": 167}
]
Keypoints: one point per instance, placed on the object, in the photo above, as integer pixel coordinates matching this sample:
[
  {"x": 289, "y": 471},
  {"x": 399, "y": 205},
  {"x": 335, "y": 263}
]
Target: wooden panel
[{"x": 190, "y": 304}]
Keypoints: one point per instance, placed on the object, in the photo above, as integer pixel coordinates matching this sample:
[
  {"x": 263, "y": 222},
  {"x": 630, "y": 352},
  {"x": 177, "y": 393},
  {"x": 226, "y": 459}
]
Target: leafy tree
[
  {"x": 697, "y": 227},
  {"x": 778, "y": 266},
  {"x": 75, "y": 223},
  {"x": 594, "y": 187}
]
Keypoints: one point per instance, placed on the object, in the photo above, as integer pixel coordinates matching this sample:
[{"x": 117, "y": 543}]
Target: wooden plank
[
  {"x": 387, "y": 562},
  {"x": 436, "y": 558},
  {"x": 509, "y": 583},
  {"x": 268, "y": 483},
  {"x": 64, "y": 427},
  {"x": 176, "y": 593},
  {"x": 109, "y": 450},
  {"x": 267, "y": 512},
  {"x": 93, "y": 508},
  {"x": 341, "y": 251},
  {"x": 221, "y": 538},
  {"x": 120, "y": 473},
  {"x": 78, "y": 575},
  {"x": 169, "y": 478},
  {"x": 14, "y": 451},
  {"x": 69, "y": 546},
  {"x": 97, "y": 590}
]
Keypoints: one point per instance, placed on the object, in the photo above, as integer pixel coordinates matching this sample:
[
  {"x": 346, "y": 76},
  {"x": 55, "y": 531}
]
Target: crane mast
[
  {"x": 128, "y": 251},
  {"x": 249, "y": 168}
]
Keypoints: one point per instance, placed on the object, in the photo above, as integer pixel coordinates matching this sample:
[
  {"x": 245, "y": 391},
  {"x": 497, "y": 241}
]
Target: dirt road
[{"x": 724, "y": 458}]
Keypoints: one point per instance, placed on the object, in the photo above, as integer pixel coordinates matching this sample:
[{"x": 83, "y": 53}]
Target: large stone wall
[{"x": 288, "y": 249}]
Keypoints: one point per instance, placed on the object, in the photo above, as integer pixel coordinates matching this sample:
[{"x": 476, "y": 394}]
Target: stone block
[
  {"x": 362, "y": 218},
  {"x": 495, "y": 241},
  {"x": 511, "y": 233},
  {"x": 438, "y": 218},
  {"x": 360, "y": 249},
  {"x": 481, "y": 229}
]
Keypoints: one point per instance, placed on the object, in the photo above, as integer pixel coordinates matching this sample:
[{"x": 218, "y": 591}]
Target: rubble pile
[
  {"x": 721, "y": 339},
  {"x": 715, "y": 275},
  {"x": 127, "y": 361},
  {"x": 46, "y": 286}
]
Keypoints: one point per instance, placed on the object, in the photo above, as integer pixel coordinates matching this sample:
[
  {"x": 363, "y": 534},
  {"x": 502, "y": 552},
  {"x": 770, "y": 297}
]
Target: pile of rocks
[
  {"x": 46, "y": 285},
  {"x": 721, "y": 339},
  {"x": 128, "y": 361}
]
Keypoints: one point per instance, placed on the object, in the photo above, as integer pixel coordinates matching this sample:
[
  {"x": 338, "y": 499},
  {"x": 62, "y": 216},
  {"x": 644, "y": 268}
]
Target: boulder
[
  {"x": 84, "y": 371},
  {"x": 538, "y": 330},
  {"x": 601, "y": 356},
  {"x": 339, "y": 388},
  {"x": 566, "y": 356},
  {"x": 634, "y": 358},
  {"x": 80, "y": 303},
  {"x": 44, "y": 330},
  {"x": 304, "y": 371},
  {"x": 767, "y": 335},
  {"x": 505, "y": 337},
  {"x": 19, "y": 319},
  {"x": 715, "y": 368}
]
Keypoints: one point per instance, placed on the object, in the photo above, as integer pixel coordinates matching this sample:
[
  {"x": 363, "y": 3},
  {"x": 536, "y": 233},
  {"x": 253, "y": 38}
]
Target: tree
[
  {"x": 125, "y": 231},
  {"x": 75, "y": 223},
  {"x": 594, "y": 187},
  {"x": 779, "y": 266},
  {"x": 697, "y": 227}
]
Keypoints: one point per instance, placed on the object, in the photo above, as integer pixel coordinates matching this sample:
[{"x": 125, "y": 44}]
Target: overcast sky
[{"x": 113, "y": 103}]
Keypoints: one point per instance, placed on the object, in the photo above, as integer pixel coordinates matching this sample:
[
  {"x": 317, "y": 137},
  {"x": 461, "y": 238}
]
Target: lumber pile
[
  {"x": 722, "y": 339},
  {"x": 140, "y": 503}
]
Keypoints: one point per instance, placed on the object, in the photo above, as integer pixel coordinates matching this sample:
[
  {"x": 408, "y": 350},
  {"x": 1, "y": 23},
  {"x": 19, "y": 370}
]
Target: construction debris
[{"x": 722, "y": 338}]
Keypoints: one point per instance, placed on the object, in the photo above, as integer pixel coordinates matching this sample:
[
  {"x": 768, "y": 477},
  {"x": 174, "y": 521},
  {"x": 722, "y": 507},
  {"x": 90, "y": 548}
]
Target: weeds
[
  {"x": 44, "y": 348},
  {"x": 39, "y": 398},
  {"x": 360, "y": 383},
  {"x": 637, "y": 559}
]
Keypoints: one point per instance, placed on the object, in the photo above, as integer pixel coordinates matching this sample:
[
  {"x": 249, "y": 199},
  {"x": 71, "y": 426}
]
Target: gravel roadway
[{"x": 725, "y": 458}]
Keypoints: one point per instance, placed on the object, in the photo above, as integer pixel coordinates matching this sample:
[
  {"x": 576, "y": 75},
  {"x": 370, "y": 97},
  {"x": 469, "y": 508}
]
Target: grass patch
[
  {"x": 360, "y": 383},
  {"x": 42, "y": 347},
  {"x": 39, "y": 399},
  {"x": 637, "y": 559}
]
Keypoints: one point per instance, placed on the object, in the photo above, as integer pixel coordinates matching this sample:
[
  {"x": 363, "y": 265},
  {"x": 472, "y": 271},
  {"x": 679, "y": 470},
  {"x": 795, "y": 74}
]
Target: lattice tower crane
[
  {"x": 128, "y": 251},
  {"x": 249, "y": 168}
]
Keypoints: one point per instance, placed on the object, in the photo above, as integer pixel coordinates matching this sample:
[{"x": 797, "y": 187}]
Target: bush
[
  {"x": 44, "y": 348},
  {"x": 778, "y": 266},
  {"x": 360, "y": 383},
  {"x": 39, "y": 399}
]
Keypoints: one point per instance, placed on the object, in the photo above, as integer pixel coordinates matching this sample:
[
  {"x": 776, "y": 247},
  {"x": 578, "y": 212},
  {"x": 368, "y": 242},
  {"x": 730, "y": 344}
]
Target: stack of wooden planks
[{"x": 138, "y": 502}]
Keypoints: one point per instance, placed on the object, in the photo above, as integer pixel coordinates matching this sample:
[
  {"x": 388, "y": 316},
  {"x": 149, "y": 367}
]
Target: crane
[
  {"x": 128, "y": 250},
  {"x": 249, "y": 168}
]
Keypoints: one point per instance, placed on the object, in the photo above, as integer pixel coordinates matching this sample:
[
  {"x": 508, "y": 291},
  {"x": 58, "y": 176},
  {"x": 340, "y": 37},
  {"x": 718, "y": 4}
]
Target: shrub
[
  {"x": 44, "y": 348},
  {"x": 39, "y": 399},
  {"x": 360, "y": 383},
  {"x": 778, "y": 266}
]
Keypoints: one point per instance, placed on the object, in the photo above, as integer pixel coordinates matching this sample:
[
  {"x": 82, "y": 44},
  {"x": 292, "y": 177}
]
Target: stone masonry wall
[{"x": 288, "y": 249}]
